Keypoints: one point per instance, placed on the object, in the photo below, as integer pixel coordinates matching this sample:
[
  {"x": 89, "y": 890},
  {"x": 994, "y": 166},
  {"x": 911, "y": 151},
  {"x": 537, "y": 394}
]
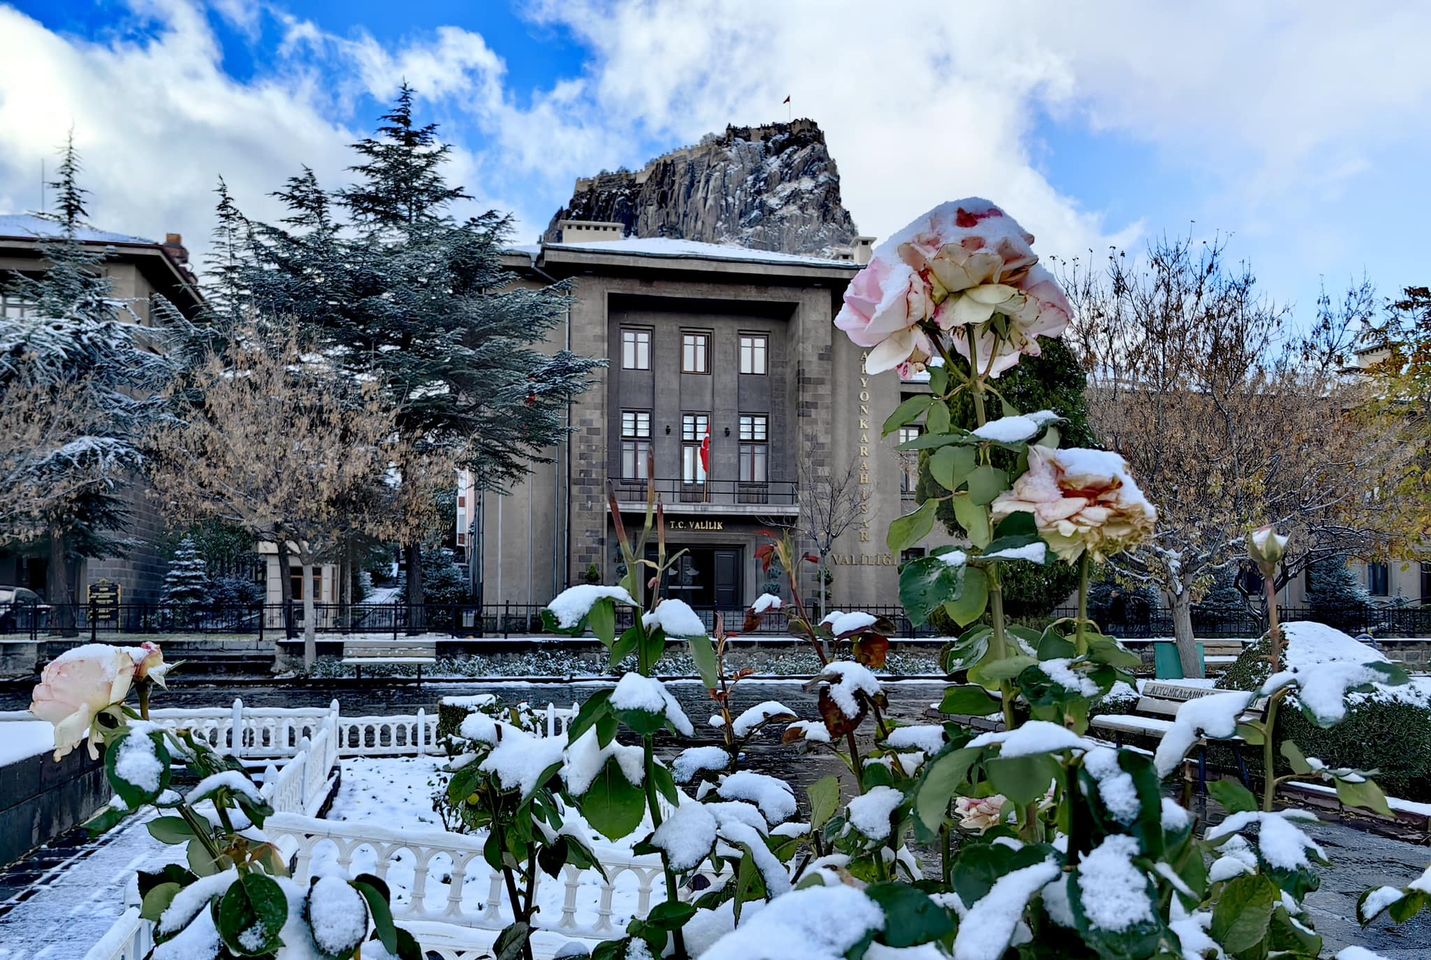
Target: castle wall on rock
[{"x": 770, "y": 187}]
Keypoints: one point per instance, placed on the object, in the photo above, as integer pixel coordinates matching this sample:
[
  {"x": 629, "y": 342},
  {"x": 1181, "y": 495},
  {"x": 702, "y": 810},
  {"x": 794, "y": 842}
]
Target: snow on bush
[
  {"x": 773, "y": 796},
  {"x": 988, "y": 926},
  {"x": 842, "y": 624},
  {"x": 753, "y": 717},
  {"x": 1034, "y": 737},
  {"x": 765, "y": 603},
  {"x": 1214, "y": 716},
  {"x": 686, "y": 836},
  {"x": 819, "y": 923},
  {"x": 870, "y": 812},
  {"x": 845, "y": 680},
  {"x": 635, "y": 692},
  {"x": 696, "y": 760},
  {"x": 1114, "y": 892}
]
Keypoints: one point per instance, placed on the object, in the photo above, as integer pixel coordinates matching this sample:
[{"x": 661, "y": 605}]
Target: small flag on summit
[{"x": 786, "y": 100}]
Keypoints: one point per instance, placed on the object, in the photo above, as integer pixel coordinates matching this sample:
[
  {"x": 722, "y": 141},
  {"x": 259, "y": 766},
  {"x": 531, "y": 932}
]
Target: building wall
[{"x": 823, "y": 408}]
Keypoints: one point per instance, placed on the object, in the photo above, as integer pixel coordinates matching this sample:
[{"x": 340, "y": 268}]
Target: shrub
[{"x": 1387, "y": 731}]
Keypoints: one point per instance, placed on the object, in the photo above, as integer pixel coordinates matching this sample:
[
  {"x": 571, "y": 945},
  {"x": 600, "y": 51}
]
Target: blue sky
[{"x": 1286, "y": 127}]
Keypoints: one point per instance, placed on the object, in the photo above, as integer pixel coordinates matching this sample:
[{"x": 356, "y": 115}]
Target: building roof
[
  {"x": 667, "y": 248},
  {"x": 28, "y": 226}
]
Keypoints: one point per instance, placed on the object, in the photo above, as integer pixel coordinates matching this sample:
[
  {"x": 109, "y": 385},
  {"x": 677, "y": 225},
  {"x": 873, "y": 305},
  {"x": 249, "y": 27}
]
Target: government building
[{"x": 708, "y": 346}]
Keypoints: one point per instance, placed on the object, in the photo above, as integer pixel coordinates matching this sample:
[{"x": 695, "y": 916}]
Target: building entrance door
[{"x": 705, "y": 576}]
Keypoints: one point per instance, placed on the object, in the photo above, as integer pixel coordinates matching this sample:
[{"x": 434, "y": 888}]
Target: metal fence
[{"x": 518, "y": 619}]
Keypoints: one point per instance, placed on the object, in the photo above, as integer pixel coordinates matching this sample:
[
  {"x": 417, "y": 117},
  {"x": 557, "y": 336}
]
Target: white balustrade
[
  {"x": 130, "y": 938},
  {"x": 442, "y": 877}
]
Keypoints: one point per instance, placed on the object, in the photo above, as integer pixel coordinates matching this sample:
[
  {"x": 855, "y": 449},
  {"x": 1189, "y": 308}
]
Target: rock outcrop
[{"x": 772, "y": 187}]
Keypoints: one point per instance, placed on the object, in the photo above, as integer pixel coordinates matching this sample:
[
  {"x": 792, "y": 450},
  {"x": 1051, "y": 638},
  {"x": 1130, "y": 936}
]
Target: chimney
[
  {"x": 862, "y": 250},
  {"x": 174, "y": 247},
  {"x": 590, "y": 231}
]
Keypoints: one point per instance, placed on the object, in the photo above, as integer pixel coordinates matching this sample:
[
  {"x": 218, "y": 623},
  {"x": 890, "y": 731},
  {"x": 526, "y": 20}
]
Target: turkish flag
[{"x": 706, "y": 451}]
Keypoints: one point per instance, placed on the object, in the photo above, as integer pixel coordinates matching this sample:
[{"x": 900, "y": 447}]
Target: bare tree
[
  {"x": 1228, "y": 421},
  {"x": 832, "y": 501},
  {"x": 277, "y": 444}
]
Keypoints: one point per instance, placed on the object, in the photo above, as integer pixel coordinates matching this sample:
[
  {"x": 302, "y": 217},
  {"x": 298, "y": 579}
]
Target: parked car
[{"x": 20, "y": 609}]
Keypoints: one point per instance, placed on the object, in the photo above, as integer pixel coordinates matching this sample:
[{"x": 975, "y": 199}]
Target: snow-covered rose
[
  {"x": 1081, "y": 500},
  {"x": 957, "y": 265},
  {"x": 883, "y": 306},
  {"x": 979, "y": 813},
  {"x": 77, "y": 685}
]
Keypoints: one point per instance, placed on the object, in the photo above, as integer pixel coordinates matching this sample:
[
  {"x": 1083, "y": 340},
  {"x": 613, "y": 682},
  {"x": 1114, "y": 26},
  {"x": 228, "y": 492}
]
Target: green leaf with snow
[
  {"x": 602, "y": 620},
  {"x": 613, "y": 805},
  {"x": 926, "y": 584},
  {"x": 1234, "y": 797},
  {"x": 251, "y": 914},
  {"x": 137, "y": 765},
  {"x": 941, "y": 781}
]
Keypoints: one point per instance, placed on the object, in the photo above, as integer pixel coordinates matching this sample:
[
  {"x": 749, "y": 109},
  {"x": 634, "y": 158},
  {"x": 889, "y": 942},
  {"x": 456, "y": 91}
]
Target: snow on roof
[
  {"x": 668, "y": 247},
  {"x": 27, "y": 226}
]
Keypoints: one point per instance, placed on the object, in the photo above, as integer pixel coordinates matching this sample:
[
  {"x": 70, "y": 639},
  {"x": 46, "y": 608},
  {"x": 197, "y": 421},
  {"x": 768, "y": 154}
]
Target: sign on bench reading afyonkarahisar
[{"x": 1176, "y": 691}]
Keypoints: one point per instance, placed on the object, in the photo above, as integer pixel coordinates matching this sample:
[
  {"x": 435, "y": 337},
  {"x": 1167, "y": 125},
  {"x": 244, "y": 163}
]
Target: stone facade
[
  {"x": 138, "y": 271},
  {"x": 548, "y": 532}
]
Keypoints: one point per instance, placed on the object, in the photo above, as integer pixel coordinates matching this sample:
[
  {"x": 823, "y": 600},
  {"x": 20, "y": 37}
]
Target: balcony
[{"x": 767, "y": 498}]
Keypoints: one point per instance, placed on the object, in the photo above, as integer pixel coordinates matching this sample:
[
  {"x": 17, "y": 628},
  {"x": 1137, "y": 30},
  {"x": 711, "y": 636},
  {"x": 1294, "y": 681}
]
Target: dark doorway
[{"x": 705, "y": 576}]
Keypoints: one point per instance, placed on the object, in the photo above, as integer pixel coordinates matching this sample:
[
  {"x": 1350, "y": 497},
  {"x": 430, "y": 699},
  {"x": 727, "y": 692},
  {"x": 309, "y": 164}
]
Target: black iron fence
[
  {"x": 508, "y": 619},
  {"x": 715, "y": 492}
]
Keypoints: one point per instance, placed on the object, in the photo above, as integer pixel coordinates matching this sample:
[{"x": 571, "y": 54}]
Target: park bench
[
  {"x": 1218, "y": 655},
  {"x": 360, "y": 653}
]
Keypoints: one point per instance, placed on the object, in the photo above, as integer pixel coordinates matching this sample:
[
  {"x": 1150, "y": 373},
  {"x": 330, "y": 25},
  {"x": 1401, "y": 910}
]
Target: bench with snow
[
  {"x": 1218, "y": 655},
  {"x": 1154, "y": 713},
  {"x": 371, "y": 653}
]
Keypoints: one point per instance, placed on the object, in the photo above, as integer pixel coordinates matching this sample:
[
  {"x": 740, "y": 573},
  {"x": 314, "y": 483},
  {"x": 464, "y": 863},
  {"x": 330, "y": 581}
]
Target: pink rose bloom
[
  {"x": 957, "y": 265},
  {"x": 882, "y": 306},
  {"x": 979, "y": 813},
  {"x": 1081, "y": 500},
  {"x": 148, "y": 662},
  {"x": 77, "y": 685}
]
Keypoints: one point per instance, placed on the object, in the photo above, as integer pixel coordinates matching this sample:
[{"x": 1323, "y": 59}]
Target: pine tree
[
  {"x": 1052, "y": 381},
  {"x": 187, "y": 581},
  {"x": 420, "y": 301},
  {"x": 1333, "y": 589},
  {"x": 82, "y": 363}
]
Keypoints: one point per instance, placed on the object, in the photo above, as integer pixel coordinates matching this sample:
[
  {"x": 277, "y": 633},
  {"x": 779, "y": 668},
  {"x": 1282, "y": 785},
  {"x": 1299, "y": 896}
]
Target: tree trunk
[
  {"x": 345, "y": 582},
  {"x": 59, "y": 584},
  {"x": 413, "y": 554},
  {"x": 310, "y": 617},
  {"x": 285, "y": 585},
  {"x": 1180, "y": 605}
]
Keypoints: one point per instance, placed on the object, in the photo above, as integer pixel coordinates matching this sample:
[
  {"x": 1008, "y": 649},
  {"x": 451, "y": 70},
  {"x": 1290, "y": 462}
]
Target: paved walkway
[{"x": 59, "y": 901}]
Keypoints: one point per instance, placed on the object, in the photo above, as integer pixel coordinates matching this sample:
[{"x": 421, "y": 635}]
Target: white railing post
[
  {"x": 421, "y": 731},
  {"x": 236, "y": 734},
  {"x": 551, "y": 719}
]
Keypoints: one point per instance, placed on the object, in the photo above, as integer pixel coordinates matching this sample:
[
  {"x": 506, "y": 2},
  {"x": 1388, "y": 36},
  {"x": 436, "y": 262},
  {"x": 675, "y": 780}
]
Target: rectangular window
[
  {"x": 635, "y": 349},
  {"x": 635, "y": 443},
  {"x": 753, "y": 463},
  {"x": 695, "y": 348},
  {"x": 1378, "y": 576},
  {"x": 295, "y": 579},
  {"x": 753, "y": 348},
  {"x": 693, "y": 433},
  {"x": 754, "y": 427},
  {"x": 13, "y": 308},
  {"x": 909, "y": 463}
]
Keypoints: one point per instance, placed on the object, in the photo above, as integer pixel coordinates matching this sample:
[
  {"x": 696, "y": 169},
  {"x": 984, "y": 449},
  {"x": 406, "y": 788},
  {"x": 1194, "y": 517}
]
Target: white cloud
[{"x": 1262, "y": 116}]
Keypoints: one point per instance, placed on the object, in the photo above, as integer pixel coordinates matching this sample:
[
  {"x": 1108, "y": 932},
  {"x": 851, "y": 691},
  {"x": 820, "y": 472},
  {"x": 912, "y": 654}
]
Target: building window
[
  {"x": 694, "y": 429},
  {"x": 752, "y": 352},
  {"x": 13, "y": 308},
  {"x": 754, "y": 456},
  {"x": 909, "y": 463},
  {"x": 695, "y": 351},
  {"x": 1426, "y": 583},
  {"x": 910, "y": 555},
  {"x": 295, "y": 578},
  {"x": 1378, "y": 576},
  {"x": 635, "y": 443},
  {"x": 635, "y": 349}
]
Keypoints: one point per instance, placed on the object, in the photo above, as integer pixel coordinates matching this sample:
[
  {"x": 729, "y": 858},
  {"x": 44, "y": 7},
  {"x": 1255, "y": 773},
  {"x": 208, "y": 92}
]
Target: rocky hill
[{"x": 772, "y": 187}]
